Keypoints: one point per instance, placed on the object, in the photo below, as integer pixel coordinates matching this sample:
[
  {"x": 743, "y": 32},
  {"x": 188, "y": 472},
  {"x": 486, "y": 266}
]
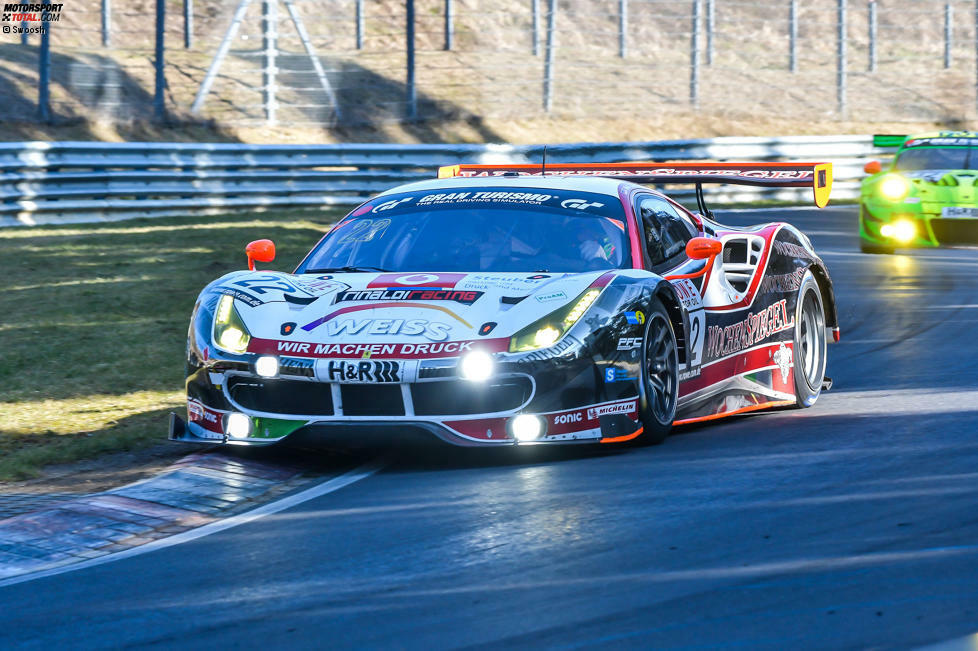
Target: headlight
[
  {"x": 476, "y": 366},
  {"x": 546, "y": 331},
  {"x": 902, "y": 230},
  {"x": 230, "y": 333},
  {"x": 267, "y": 366},
  {"x": 894, "y": 187}
]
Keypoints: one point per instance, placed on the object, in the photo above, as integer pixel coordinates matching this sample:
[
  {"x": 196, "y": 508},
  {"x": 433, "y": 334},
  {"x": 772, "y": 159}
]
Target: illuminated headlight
[
  {"x": 230, "y": 332},
  {"x": 546, "y": 331},
  {"x": 894, "y": 187},
  {"x": 527, "y": 427},
  {"x": 267, "y": 366},
  {"x": 238, "y": 426},
  {"x": 902, "y": 230},
  {"x": 546, "y": 336},
  {"x": 476, "y": 366}
]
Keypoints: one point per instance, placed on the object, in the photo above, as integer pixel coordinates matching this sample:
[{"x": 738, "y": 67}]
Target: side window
[{"x": 666, "y": 231}]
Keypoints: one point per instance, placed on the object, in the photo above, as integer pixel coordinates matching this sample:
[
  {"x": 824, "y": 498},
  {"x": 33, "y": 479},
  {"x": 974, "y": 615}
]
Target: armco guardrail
[{"x": 64, "y": 182}]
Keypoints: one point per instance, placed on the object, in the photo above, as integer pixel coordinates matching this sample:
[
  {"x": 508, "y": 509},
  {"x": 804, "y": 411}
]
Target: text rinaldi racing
[
  {"x": 497, "y": 305},
  {"x": 926, "y": 197}
]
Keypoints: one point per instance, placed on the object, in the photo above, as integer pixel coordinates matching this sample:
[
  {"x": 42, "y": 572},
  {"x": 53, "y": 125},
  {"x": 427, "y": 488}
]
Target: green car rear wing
[{"x": 888, "y": 140}]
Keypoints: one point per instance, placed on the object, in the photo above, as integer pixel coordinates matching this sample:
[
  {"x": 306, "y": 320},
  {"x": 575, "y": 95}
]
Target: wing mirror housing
[
  {"x": 260, "y": 251},
  {"x": 873, "y": 167},
  {"x": 702, "y": 248}
]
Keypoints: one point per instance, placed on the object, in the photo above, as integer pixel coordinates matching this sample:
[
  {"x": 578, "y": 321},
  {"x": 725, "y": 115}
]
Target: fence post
[
  {"x": 710, "y": 24},
  {"x": 106, "y": 23},
  {"x": 622, "y": 28},
  {"x": 269, "y": 36},
  {"x": 793, "y": 36},
  {"x": 23, "y": 32},
  {"x": 872, "y": 35},
  {"x": 948, "y": 33},
  {"x": 841, "y": 60},
  {"x": 548, "y": 64},
  {"x": 159, "y": 107},
  {"x": 412, "y": 91},
  {"x": 44, "y": 73},
  {"x": 449, "y": 27},
  {"x": 535, "y": 7},
  {"x": 694, "y": 57},
  {"x": 188, "y": 24},
  {"x": 359, "y": 24}
]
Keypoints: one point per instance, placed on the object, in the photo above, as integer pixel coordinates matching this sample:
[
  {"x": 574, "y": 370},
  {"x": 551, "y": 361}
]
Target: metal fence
[
  {"x": 44, "y": 183},
  {"x": 356, "y": 62}
]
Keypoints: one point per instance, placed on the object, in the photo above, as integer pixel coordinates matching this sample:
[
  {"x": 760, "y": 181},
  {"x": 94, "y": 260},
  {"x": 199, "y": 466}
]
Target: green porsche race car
[{"x": 926, "y": 197}]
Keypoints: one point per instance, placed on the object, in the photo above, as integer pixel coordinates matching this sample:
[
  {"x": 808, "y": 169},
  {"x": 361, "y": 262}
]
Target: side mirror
[
  {"x": 260, "y": 250},
  {"x": 701, "y": 248},
  {"x": 873, "y": 167}
]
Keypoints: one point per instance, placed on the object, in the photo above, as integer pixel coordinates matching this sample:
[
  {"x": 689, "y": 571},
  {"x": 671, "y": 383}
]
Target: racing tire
[
  {"x": 877, "y": 249},
  {"x": 810, "y": 342},
  {"x": 660, "y": 376}
]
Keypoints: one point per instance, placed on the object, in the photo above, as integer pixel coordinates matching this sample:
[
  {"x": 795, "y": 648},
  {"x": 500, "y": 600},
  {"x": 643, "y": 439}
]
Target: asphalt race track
[{"x": 851, "y": 524}]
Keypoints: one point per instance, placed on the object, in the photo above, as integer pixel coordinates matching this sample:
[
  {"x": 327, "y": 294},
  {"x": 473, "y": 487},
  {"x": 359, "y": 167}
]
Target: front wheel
[
  {"x": 660, "y": 376},
  {"x": 810, "y": 342}
]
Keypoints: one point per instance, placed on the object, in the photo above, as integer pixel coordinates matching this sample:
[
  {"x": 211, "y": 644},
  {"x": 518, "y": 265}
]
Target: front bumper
[{"x": 932, "y": 228}]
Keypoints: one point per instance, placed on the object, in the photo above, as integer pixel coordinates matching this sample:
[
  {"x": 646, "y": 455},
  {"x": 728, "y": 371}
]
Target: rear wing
[
  {"x": 888, "y": 140},
  {"x": 817, "y": 176}
]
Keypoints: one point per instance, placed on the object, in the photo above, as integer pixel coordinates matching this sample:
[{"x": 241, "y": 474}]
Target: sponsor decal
[
  {"x": 635, "y": 318},
  {"x": 507, "y": 283},
  {"x": 687, "y": 293},
  {"x": 383, "y": 350},
  {"x": 568, "y": 418},
  {"x": 364, "y": 230},
  {"x": 550, "y": 297},
  {"x": 752, "y": 330},
  {"x": 606, "y": 410},
  {"x": 288, "y": 328},
  {"x": 244, "y": 297},
  {"x": 629, "y": 343},
  {"x": 206, "y": 418},
  {"x": 566, "y": 343},
  {"x": 580, "y": 204},
  {"x": 433, "y": 330},
  {"x": 465, "y": 297},
  {"x": 320, "y": 286},
  {"x": 443, "y": 281},
  {"x": 487, "y": 327},
  {"x": 690, "y": 374},
  {"x": 363, "y": 372},
  {"x": 765, "y": 174},
  {"x": 782, "y": 357},
  {"x": 537, "y": 277},
  {"x": 387, "y": 205},
  {"x": 948, "y": 140},
  {"x": 793, "y": 250},
  {"x": 297, "y": 365},
  {"x": 613, "y": 374},
  {"x": 783, "y": 283}
]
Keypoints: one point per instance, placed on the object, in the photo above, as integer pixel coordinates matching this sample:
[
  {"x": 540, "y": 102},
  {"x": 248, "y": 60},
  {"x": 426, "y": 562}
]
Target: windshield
[
  {"x": 935, "y": 158},
  {"x": 487, "y": 229}
]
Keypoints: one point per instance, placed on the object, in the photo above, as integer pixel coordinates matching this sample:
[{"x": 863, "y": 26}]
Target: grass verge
[{"x": 93, "y": 323}]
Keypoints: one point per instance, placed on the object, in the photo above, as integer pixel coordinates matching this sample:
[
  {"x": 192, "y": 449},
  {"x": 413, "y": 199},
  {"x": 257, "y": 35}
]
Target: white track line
[{"x": 328, "y": 486}]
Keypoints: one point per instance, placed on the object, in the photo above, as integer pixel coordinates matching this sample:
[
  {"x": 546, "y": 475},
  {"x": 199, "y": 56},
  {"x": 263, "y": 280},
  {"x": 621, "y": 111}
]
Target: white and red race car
[{"x": 499, "y": 305}]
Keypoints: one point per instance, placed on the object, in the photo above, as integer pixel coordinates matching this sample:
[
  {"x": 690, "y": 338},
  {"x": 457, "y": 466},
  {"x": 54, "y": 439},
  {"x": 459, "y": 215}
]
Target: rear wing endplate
[{"x": 817, "y": 176}]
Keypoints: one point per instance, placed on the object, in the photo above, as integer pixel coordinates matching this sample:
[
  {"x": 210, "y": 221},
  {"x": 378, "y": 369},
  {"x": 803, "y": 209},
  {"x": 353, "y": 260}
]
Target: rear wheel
[
  {"x": 660, "y": 376},
  {"x": 810, "y": 342}
]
